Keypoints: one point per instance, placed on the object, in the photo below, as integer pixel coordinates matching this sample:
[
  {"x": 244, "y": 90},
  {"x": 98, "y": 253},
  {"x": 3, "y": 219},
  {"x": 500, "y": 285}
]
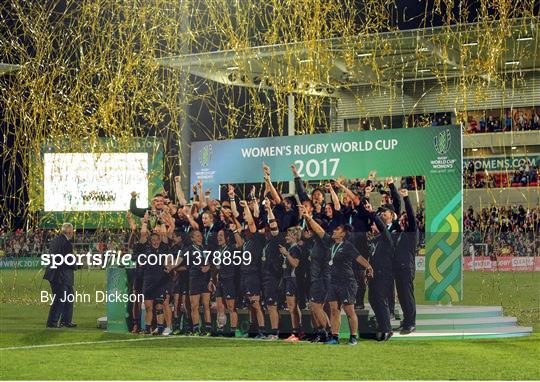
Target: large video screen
[
  {"x": 93, "y": 181},
  {"x": 88, "y": 183}
]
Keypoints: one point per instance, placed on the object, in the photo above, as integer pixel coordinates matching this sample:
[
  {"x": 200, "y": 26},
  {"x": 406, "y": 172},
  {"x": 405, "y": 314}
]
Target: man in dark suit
[
  {"x": 61, "y": 280},
  {"x": 381, "y": 260},
  {"x": 406, "y": 245}
]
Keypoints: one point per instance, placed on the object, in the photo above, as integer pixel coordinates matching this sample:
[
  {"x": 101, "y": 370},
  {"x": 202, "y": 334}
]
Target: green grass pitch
[{"x": 90, "y": 353}]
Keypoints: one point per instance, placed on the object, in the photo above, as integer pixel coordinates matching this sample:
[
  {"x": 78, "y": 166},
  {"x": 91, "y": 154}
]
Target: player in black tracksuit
[
  {"x": 178, "y": 286},
  {"x": 198, "y": 264},
  {"x": 360, "y": 226},
  {"x": 271, "y": 270},
  {"x": 154, "y": 277},
  {"x": 342, "y": 289},
  {"x": 290, "y": 260},
  {"x": 380, "y": 285},
  {"x": 319, "y": 255},
  {"x": 404, "y": 267},
  {"x": 229, "y": 243},
  {"x": 393, "y": 202},
  {"x": 250, "y": 272}
]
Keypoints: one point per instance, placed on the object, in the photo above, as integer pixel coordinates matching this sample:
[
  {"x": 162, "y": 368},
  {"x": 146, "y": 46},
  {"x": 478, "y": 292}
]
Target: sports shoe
[
  {"x": 157, "y": 331},
  {"x": 407, "y": 330},
  {"x": 332, "y": 341},
  {"x": 383, "y": 336},
  {"x": 135, "y": 329},
  {"x": 292, "y": 338},
  {"x": 272, "y": 337},
  {"x": 317, "y": 339},
  {"x": 167, "y": 332},
  {"x": 176, "y": 332},
  {"x": 302, "y": 336},
  {"x": 353, "y": 341},
  {"x": 204, "y": 334},
  {"x": 260, "y": 336}
]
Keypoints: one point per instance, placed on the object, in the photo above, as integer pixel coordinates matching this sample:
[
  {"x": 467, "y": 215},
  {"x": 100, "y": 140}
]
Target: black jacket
[
  {"x": 406, "y": 242},
  {"x": 382, "y": 257},
  {"x": 63, "y": 274}
]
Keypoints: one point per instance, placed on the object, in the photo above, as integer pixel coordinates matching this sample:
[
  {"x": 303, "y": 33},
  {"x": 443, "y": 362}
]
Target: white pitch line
[
  {"x": 119, "y": 341},
  {"x": 81, "y": 343}
]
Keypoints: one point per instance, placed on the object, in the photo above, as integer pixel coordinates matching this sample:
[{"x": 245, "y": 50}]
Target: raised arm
[
  {"x": 378, "y": 222},
  {"x": 315, "y": 227},
  {"x": 273, "y": 192},
  {"x": 238, "y": 241},
  {"x": 180, "y": 197},
  {"x": 248, "y": 216},
  {"x": 299, "y": 185},
  {"x": 335, "y": 199},
  {"x": 131, "y": 221},
  {"x": 232, "y": 200},
  {"x": 202, "y": 202},
  {"x": 133, "y": 206},
  {"x": 192, "y": 221},
  {"x": 144, "y": 229},
  {"x": 411, "y": 218},
  {"x": 396, "y": 200},
  {"x": 274, "y": 227},
  {"x": 352, "y": 195}
]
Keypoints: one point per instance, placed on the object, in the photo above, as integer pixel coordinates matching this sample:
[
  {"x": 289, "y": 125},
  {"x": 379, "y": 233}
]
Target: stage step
[
  {"x": 429, "y": 312},
  {"x": 461, "y": 323},
  {"x": 462, "y": 334},
  {"x": 442, "y": 322}
]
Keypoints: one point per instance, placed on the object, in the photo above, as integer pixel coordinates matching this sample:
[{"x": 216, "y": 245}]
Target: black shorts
[
  {"x": 318, "y": 291},
  {"x": 271, "y": 291},
  {"x": 173, "y": 287},
  {"x": 137, "y": 284},
  {"x": 153, "y": 290},
  {"x": 250, "y": 285},
  {"x": 226, "y": 289},
  {"x": 343, "y": 291},
  {"x": 183, "y": 284},
  {"x": 199, "y": 285},
  {"x": 290, "y": 286}
]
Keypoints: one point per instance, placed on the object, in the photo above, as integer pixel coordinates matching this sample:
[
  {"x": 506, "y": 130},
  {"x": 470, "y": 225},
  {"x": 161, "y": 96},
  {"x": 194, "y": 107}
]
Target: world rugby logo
[
  {"x": 442, "y": 142},
  {"x": 205, "y": 155}
]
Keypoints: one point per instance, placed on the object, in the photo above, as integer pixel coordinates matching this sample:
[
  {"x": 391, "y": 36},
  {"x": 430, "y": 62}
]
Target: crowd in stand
[
  {"x": 507, "y": 231},
  {"x": 524, "y": 176},
  {"x": 521, "y": 121}
]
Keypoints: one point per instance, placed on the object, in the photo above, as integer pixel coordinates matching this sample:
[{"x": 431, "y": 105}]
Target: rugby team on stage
[{"x": 275, "y": 253}]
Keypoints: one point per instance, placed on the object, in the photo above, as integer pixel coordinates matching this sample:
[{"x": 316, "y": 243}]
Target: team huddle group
[{"x": 275, "y": 253}]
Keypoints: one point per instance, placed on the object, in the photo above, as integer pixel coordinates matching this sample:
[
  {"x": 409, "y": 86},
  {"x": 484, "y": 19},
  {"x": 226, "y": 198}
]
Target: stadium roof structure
[
  {"x": 396, "y": 56},
  {"x": 8, "y": 68}
]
